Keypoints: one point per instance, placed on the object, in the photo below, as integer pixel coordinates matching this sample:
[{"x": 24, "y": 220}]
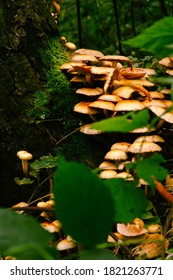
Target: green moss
[{"x": 53, "y": 107}]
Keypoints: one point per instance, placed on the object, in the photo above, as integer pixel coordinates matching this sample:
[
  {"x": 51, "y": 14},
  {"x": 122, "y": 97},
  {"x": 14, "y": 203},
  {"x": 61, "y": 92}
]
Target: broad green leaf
[
  {"x": 18, "y": 230},
  {"x": 156, "y": 39},
  {"x": 150, "y": 168},
  {"x": 129, "y": 201},
  {"x": 83, "y": 203},
  {"x": 30, "y": 251},
  {"x": 123, "y": 123}
]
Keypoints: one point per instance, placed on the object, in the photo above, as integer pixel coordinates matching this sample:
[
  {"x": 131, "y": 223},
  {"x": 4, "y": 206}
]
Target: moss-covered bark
[{"x": 36, "y": 100}]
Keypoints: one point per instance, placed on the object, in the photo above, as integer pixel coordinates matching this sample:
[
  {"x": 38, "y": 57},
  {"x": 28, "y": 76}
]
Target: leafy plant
[{"x": 156, "y": 39}]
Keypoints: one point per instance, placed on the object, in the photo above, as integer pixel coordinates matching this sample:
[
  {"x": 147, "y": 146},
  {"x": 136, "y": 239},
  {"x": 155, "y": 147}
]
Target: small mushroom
[
  {"x": 66, "y": 245},
  {"x": 136, "y": 227},
  {"x": 24, "y": 156}
]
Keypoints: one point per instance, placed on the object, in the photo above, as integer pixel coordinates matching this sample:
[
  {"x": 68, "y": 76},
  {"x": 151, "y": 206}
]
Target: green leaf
[
  {"x": 24, "y": 181},
  {"x": 98, "y": 254},
  {"x": 123, "y": 123},
  {"x": 129, "y": 201},
  {"x": 150, "y": 168},
  {"x": 156, "y": 39},
  {"x": 30, "y": 251},
  {"x": 44, "y": 162},
  {"x": 18, "y": 230},
  {"x": 83, "y": 203}
]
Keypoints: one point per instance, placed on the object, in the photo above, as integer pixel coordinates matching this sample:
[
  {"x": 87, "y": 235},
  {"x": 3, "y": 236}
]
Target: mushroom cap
[
  {"x": 95, "y": 53},
  {"x": 160, "y": 112},
  {"x": 107, "y": 165},
  {"x": 70, "y": 46},
  {"x": 108, "y": 174},
  {"x": 110, "y": 97},
  {"x": 78, "y": 79},
  {"x": 69, "y": 65},
  {"x": 144, "y": 147},
  {"x": 166, "y": 91},
  {"x": 143, "y": 129},
  {"x": 149, "y": 138},
  {"x": 65, "y": 245},
  {"x": 135, "y": 73},
  {"x": 167, "y": 62},
  {"x": 101, "y": 104},
  {"x": 102, "y": 70},
  {"x": 157, "y": 103},
  {"x": 121, "y": 146},
  {"x": 149, "y": 72},
  {"x": 130, "y": 231},
  {"x": 123, "y": 91},
  {"x": 86, "y": 129},
  {"x": 129, "y": 105},
  {"x": 83, "y": 58},
  {"x": 125, "y": 175},
  {"x": 21, "y": 204},
  {"x": 83, "y": 107},
  {"x": 141, "y": 82},
  {"x": 82, "y": 69},
  {"x": 90, "y": 91},
  {"x": 169, "y": 72},
  {"x": 24, "y": 155},
  {"x": 118, "y": 58},
  {"x": 49, "y": 227},
  {"x": 116, "y": 155},
  {"x": 156, "y": 94}
]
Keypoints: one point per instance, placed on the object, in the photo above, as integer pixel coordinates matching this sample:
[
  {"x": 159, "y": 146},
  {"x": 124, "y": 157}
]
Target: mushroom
[
  {"x": 136, "y": 227},
  {"x": 149, "y": 138},
  {"x": 107, "y": 165},
  {"x": 70, "y": 46},
  {"x": 144, "y": 147},
  {"x": 110, "y": 97},
  {"x": 50, "y": 227},
  {"x": 90, "y": 91},
  {"x": 86, "y": 129},
  {"x": 132, "y": 73},
  {"x": 129, "y": 105},
  {"x": 121, "y": 146},
  {"x": 66, "y": 245},
  {"x": 116, "y": 154},
  {"x": 123, "y": 91},
  {"x": 95, "y": 53},
  {"x": 24, "y": 156},
  {"x": 161, "y": 112},
  {"x": 84, "y": 108},
  {"x": 125, "y": 175},
  {"x": 115, "y": 59},
  {"x": 108, "y": 174}
]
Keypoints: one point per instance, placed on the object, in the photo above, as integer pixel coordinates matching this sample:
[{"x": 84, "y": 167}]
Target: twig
[
  {"x": 163, "y": 192},
  {"x": 32, "y": 208}
]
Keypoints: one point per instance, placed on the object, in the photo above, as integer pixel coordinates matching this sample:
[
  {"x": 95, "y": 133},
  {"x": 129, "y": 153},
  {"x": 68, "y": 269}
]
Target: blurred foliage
[
  {"x": 98, "y": 23},
  {"x": 156, "y": 39}
]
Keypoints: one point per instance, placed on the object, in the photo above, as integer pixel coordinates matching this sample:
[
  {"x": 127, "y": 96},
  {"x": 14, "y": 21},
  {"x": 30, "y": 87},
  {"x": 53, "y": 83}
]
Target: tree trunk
[{"x": 26, "y": 27}]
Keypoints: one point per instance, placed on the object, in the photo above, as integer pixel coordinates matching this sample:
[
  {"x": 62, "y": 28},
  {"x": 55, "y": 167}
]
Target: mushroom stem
[{"x": 25, "y": 167}]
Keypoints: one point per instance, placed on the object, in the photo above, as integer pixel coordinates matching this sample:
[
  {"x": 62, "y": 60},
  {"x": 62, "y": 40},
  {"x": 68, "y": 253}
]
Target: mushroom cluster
[{"x": 110, "y": 85}]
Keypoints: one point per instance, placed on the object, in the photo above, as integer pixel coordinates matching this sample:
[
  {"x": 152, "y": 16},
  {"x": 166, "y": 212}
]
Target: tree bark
[{"x": 24, "y": 29}]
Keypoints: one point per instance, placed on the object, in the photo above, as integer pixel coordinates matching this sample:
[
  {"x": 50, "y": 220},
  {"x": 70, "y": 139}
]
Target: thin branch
[
  {"x": 117, "y": 25},
  {"x": 79, "y": 23}
]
